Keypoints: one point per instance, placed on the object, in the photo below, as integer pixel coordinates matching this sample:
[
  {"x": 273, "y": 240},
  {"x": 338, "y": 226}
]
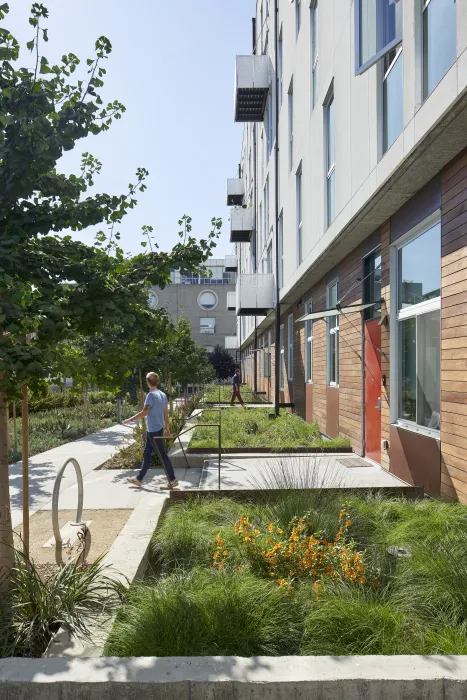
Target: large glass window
[
  {"x": 378, "y": 29},
  {"x": 330, "y": 164},
  {"x": 299, "y": 216},
  {"x": 290, "y": 126},
  {"x": 393, "y": 98},
  {"x": 332, "y": 337},
  {"x": 269, "y": 258},
  {"x": 309, "y": 344},
  {"x": 314, "y": 52},
  {"x": 439, "y": 41},
  {"x": 419, "y": 269},
  {"x": 290, "y": 346},
  {"x": 372, "y": 284},
  {"x": 266, "y": 212},
  {"x": 419, "y": 329},
  {"x": 281, "y": 367},
  {"x": 281, "y": 67},
  {"x": 207, "y": 300},
  {"x": 207, "y": 325}
]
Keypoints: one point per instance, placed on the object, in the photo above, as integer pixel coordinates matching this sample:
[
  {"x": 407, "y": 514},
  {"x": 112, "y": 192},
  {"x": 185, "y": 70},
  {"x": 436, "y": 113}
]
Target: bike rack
[{"x": 56, "y": 494}]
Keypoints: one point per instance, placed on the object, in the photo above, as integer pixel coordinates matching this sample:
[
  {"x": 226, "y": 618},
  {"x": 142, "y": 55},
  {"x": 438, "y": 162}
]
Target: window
[
  {"x": 268, "y": 125},
  {"x": 314, "y": 53},
  {"x": 269, "y": 259},
  {"x": 332, "y": 337},
  {"x": 299, "y": 216},
  {"x": 267, "y": 357},
  {"x": 439, "y": 41},
  {"x": 372, "y": 284},
  {"x": 393, "y": 98},
  {"x": 153, "y": 300},
  {"x": 290, "y": 347},
  {"x": 207, "y": 325},
  {"x": 290, "y": 126},
  {"x": 281, "y": 67},
  {"x": 281, "y": 368},
  {"x": 281, "y": 250},
  {"x": 298, "y": 16},
  {"x": 378, "y": 29},
  {"x": 309, "y": 344},
  {"x": 266, "y": 212},
  {"x": 207, "y": 300},
  {"x": 419, "y": 330},
  {"x": 260, "y": 229},
  {"x": 330, "y": 165}
]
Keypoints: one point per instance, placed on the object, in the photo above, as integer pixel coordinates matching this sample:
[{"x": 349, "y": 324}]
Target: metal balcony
[
  {"x": 255, "y": 294},
  {"x": 231, "y": 263},
  {"x": 231, "y": 301},
  {"x": 235, "y": 192},
  {"x": 251, "y": 88},
  {"x": 241, "y": 225}
]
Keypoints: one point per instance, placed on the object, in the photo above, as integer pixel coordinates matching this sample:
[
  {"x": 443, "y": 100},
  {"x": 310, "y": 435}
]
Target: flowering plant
[{"x": 298, "y": 554}]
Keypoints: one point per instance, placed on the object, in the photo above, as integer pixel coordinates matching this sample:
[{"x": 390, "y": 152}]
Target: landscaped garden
[
  {"x": 301, "y": 573},
  {"x": 58, "y": 418},
  {"x": 222, "y": 393},
  {"x": 258, "y": 428}
]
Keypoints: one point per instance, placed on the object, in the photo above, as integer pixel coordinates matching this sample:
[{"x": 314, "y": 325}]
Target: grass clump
[
  {"x": 207, "y": 614},
  {"x": 254, "y": 428}
]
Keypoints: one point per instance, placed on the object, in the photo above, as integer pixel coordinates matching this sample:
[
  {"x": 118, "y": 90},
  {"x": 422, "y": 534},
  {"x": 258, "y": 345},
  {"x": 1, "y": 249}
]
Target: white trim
[
  {"x": 332, "y": 331},
  {"x": 308, "y": 343},
  {"x": 290, "y": 339},
  {"x": 424, "y": 307},
  {"x": 282, "y": 358},
  {"x": 415, "y": 428}
]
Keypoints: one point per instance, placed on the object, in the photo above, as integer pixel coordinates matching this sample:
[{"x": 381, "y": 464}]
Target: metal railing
[{"x": 56, "y": 494}]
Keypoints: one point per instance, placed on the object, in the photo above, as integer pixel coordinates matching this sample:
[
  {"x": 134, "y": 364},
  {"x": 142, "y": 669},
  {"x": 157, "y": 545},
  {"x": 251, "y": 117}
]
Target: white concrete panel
[
  {"x": 345, "y": 86},
  {"x": 390, "y": 160},
  {"x": 461, "y": 26},
  {"x": 436, "y": 104}
]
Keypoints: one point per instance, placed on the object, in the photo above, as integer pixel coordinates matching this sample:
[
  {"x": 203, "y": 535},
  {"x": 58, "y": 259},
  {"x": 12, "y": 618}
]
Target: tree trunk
[
  {"x": 85, "y": 407},
  {"x": 6, "y": 532},
  {"x": 25, "y": 464}
]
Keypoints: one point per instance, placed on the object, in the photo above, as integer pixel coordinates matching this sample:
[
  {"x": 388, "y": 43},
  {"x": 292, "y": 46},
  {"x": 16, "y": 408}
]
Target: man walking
[
  {"x": 156, "y": 413},
  {"x": 236, "y": 388}
]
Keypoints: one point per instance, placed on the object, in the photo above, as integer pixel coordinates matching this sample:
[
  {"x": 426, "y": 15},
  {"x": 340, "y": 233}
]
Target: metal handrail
[{"x": 56, "y": 494}]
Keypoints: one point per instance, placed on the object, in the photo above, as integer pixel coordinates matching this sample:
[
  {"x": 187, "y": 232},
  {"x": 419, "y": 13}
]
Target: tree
[
  {"x": 223, "y": 362},
  {"x": 53, "y": 288}
]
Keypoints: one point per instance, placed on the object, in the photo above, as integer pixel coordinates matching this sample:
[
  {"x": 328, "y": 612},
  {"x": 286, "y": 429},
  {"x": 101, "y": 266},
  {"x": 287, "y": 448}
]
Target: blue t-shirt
[{"x": 157, "y": 400}]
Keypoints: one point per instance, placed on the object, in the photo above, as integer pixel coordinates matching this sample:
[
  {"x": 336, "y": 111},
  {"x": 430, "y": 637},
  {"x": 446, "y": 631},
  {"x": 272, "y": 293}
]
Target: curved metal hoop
[{"x": 56, "y": 493}]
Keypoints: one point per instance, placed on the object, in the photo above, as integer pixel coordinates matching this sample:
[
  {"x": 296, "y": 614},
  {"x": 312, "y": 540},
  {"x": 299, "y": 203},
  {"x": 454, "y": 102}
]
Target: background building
[
  {"x": 360, "y": 109},
  {"x": 203, "y": 301}
]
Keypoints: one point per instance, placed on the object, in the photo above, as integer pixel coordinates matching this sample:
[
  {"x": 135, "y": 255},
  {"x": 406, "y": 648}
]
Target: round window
[
  {"x": 153, "y": 300},
  {"x": 207, "y": 300}
]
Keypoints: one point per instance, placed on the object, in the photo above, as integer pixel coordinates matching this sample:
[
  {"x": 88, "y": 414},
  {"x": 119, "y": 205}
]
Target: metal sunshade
[{"x": 336, "y": 311}]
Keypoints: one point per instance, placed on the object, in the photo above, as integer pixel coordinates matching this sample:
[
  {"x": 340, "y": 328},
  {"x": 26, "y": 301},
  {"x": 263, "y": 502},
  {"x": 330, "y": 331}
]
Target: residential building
[
  {"x": 203, "y": 300},
  {"x": 368, "y": 139}
]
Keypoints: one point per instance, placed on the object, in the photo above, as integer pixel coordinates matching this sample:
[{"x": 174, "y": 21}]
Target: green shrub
[
  {"x": 34, "y": 609},
  {"x": 205, "y": 613}
]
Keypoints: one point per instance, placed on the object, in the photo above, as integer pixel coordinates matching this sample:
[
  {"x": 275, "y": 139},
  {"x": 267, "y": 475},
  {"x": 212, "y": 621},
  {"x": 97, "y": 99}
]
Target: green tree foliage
[
  {"x": 223, "y": 362},
  {"x": 52, "y": 287}
]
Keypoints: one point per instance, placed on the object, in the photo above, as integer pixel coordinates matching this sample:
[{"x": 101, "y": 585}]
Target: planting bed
[
  {"x": 255, "y": 431},
  {"x": 222, "y": 394},
  {"x": 301, "y": 573}
]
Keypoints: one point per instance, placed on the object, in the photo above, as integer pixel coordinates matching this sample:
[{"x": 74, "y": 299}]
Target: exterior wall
[
  {"x": 182, "y": 299},
  {"x": 454, "y": 330}
]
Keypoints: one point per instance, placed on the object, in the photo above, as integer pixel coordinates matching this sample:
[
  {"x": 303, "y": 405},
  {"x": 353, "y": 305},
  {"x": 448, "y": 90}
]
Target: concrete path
[
  {"x": 294, "y": 471},
  {"x": 102, "y": 489}
]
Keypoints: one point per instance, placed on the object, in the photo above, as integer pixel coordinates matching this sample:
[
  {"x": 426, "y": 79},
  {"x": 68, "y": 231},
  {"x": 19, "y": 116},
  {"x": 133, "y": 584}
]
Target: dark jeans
[
  {"x": 236, "y": 394},
  {"x": 151, "y": 439}
]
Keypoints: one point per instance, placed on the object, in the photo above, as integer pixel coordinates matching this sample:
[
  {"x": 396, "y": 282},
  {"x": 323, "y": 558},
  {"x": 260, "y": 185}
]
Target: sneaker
[
  {"x": 134, "y": 482},
  {"x": 170, "y": 486}
]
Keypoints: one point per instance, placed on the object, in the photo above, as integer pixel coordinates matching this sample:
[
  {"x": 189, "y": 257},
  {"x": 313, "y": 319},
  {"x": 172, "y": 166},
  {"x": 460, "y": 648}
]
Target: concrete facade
[
  {"x": 385, "y": 195},
  {"x": 185, "y": 297}
]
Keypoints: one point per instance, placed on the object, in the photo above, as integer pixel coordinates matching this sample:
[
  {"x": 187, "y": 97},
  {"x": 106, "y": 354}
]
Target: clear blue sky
[{"x": 172, "y": 66}]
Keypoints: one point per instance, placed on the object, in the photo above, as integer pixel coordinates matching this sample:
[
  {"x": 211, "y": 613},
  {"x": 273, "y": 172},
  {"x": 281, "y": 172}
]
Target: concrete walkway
[
  {"x": 103, "y": 489},
  {"x": 295, "y": 471}
]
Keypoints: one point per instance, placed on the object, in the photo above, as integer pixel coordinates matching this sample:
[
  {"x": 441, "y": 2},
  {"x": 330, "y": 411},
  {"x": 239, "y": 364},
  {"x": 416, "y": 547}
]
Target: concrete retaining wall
[{"x": 231, "y": 678}]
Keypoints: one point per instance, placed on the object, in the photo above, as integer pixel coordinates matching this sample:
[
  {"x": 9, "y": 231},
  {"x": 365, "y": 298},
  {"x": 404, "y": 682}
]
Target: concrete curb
[
  {"x": 127, "y": 562},
  {"x": 227, "y": 678}
]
